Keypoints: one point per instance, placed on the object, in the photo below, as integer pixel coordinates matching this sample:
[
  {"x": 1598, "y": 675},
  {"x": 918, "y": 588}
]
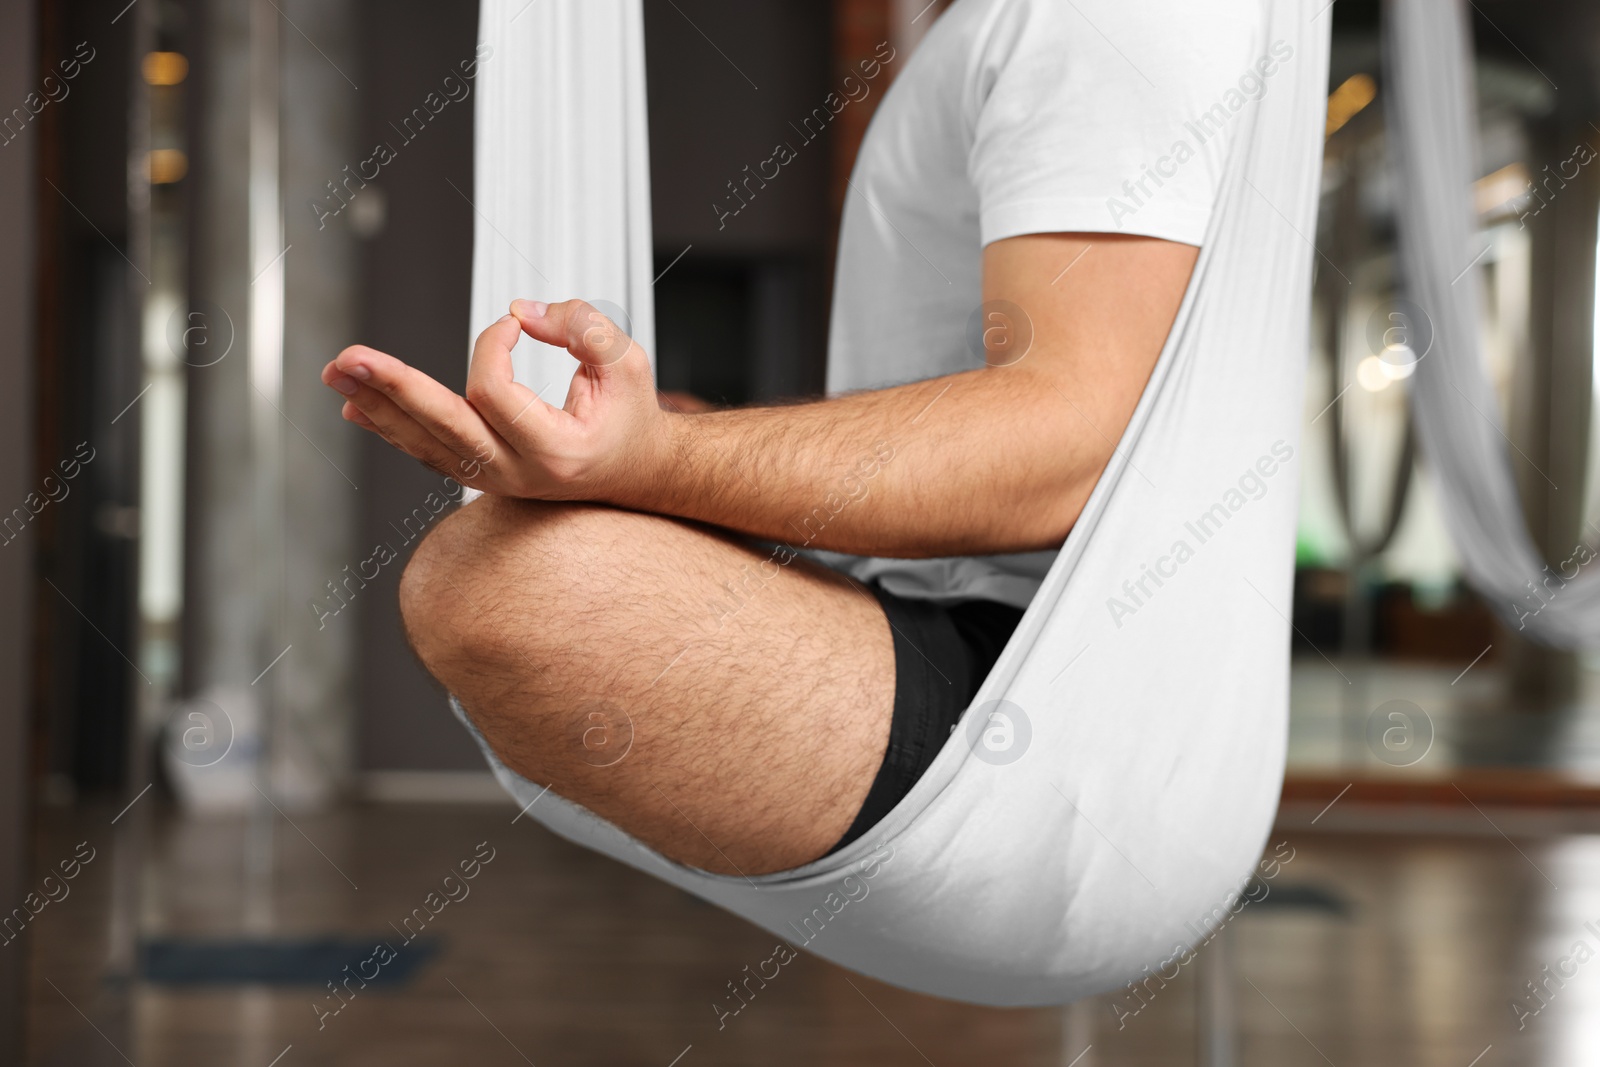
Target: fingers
[
  {"x": 593, "y": 339},
  {"x": 514, "y": 410},
  {"x": 334, "y": 377},
  {"x": 368, "y": 376},
  {"x": 351, "y": 413},
  {"x": 498, "y": 415},
  {"x": 373, "y": 411}
]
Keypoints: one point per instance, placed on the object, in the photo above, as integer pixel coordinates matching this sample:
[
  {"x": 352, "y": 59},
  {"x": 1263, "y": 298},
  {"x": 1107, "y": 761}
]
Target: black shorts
[{"x": 942, "y": 654}]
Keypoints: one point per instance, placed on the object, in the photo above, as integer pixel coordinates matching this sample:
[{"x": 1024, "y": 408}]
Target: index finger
[
  {"x": 503, "y": 401},
  {"x": 435, "y": 407}
]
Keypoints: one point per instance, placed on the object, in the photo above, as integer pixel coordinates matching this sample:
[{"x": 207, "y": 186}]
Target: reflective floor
[{"x": 1368, "y": 950}]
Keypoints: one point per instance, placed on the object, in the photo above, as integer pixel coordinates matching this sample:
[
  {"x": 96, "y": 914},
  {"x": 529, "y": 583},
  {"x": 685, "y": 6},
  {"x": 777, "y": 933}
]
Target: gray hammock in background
[{"x": 1431, "y": 110}]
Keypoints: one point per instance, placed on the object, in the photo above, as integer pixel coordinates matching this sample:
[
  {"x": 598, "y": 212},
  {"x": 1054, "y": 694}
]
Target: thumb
[{"x": 591, "y": 337}]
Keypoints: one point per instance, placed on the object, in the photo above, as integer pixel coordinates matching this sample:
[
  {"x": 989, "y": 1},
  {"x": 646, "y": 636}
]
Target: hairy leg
[{"x": 756, "y": 697}]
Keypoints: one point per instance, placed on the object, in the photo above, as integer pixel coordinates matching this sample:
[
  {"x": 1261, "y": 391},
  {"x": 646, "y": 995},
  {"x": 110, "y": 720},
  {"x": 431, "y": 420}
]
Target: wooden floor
[{"x": 562, "y": 957}]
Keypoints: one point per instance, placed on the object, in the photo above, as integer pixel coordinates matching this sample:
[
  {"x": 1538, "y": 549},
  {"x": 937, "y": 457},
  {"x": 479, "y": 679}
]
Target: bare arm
[{"x": 999, "y": 459}]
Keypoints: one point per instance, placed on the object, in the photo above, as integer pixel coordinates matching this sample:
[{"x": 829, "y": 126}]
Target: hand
[{"x": 609, "y": 440}]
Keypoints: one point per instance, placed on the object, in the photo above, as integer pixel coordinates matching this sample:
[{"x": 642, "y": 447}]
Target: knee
[
  {"x": 483, "y": 563},
  {"x": 444, "y": 579}
]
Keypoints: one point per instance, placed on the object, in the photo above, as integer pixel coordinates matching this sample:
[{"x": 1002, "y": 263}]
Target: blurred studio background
[{"x": 223, "y": 777}]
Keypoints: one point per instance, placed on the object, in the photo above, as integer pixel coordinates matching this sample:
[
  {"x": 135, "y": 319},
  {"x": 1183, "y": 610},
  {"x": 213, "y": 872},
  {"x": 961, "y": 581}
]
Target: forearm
[
  {"x": 997, "y": 459},
  {"x": 991, "y": 460}
]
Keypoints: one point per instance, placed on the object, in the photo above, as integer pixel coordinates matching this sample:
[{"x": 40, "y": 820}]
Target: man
[{"x": 1019, "y": 237}]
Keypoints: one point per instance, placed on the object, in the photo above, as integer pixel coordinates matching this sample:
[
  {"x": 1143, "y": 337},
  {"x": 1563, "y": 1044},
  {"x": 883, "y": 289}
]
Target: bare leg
[{"x": 759, "y": 696}]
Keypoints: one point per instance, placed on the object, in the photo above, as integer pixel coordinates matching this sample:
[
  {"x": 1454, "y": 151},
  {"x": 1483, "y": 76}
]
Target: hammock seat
[{"x": 1147, "y": 685}]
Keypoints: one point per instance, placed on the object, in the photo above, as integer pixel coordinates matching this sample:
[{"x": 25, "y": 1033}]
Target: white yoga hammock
[
  {"x": 1432, "y": 114},
  {"x": 562, "y": 171},
  {"x": 1149, "y": 741}
]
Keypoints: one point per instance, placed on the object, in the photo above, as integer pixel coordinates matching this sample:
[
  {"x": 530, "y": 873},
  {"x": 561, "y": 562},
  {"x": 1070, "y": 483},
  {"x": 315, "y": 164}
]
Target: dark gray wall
[
  {"x": 707, "y": 122},
  {"x": 87, "y": 370},
  {"x": 17, "y": 43},
  {"x": 417, "y": 280}
]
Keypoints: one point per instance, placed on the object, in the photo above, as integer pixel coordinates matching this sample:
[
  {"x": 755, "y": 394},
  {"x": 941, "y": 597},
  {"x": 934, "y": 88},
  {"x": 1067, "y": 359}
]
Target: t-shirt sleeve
[{"x": 1104, "y": 116}]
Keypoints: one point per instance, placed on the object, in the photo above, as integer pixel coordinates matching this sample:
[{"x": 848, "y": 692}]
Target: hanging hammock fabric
[
  {"x": 562, "y": 171},
  {"x": 1432, "y": 114},
  {"x": 1147, "y": 685}
]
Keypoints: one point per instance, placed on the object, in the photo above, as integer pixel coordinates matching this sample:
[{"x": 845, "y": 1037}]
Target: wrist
[{"x": 647, "y": 481}]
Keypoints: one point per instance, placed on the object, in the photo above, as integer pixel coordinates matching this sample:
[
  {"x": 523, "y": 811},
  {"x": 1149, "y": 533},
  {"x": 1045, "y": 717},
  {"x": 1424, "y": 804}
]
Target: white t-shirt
[{"x": 1017, "y": 117}]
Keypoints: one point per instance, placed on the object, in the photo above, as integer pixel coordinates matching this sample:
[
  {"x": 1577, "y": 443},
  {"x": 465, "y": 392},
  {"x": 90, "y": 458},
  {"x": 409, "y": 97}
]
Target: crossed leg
[{"x": 758, "y": 697}]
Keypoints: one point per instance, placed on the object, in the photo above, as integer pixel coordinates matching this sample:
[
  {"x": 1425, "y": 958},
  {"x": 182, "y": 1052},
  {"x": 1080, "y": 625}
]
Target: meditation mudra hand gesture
[
  {"x": 501, "y": 438},
  {"x": 573, "y": 600}
]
